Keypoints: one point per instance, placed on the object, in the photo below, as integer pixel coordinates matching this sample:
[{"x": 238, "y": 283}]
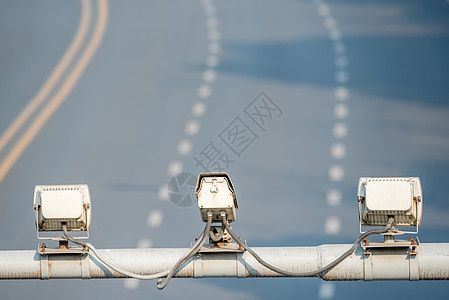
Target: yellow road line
[
  {"x": 54, "y": 77},
  {"x": 62, "y": 93}
]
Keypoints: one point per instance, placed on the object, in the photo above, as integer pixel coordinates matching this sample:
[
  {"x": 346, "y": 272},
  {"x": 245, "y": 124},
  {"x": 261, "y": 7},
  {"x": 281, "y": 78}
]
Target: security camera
[
  {"x": 380, "y": 198},
  {"x": 57, "y": 205},
  {"x": 216, "y": 193}
]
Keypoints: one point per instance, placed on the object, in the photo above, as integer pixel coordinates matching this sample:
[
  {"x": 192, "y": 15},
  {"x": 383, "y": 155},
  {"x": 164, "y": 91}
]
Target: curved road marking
[
  {"x": 54, "y": 77},
  {"x": 62, "y": 93}
]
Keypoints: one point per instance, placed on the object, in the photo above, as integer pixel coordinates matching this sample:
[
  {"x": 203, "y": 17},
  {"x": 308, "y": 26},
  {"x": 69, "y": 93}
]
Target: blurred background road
[{"x": 123, "y": 95}]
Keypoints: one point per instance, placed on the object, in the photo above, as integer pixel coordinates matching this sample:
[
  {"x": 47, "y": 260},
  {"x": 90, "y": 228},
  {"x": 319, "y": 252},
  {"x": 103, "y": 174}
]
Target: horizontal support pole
[{"x": 430, "y": 263}]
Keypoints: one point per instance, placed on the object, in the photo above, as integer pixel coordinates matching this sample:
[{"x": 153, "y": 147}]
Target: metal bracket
[
  {"x": 63, "y": 249},
  {"x": 390, "y": 243},
  {"x": 221, "y": 247},
  {"x": 58, "y": 238}
]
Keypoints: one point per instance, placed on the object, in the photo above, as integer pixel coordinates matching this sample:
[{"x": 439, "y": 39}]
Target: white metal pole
[{"x": 431, "y": 262}]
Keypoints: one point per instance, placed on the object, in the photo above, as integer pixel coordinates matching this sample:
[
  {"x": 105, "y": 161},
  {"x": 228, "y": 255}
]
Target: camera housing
[
  {"x": 216, "y": 193},
  {"x": 55, "y": 205},
  {"x": 382, "y": 197}
]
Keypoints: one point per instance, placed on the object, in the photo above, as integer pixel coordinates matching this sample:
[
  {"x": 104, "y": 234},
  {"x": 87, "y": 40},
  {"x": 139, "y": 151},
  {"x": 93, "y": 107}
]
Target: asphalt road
[{"x": 130, "y": 93}]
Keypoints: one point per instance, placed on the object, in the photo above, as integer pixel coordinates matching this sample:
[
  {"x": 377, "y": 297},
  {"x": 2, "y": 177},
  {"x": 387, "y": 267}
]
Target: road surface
[{"x": 122, "y": 95}]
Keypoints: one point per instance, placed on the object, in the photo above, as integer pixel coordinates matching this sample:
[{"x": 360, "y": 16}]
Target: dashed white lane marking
[
  {"x": 204, "y": 91},
  {"x": 198, "y": 109},
  {"x": 335, "y": 34},
  {"x": 209, "y": 10},
  {"x": 185, "y": 147},
  {"x": 145, "y": 243},
  {"x": 339, "y": 47},
  {"x": 192, "y": 127},
  {"x": 214, "y": 35},
  {"x": 341, "y": 111},
  {"x": 340, "y": 130},
  {"x": 341, "y": 62},
  {"x": 209, "y": 76},
  {"x": 341, "y": 77},
  {"x": 332, "y": 225},
  {"x": 212, "y": 22},
  {"x": 163, "y": 192},
  {"x": 330, "y": 23},
  {"x": 323, "y": 10},
  {"x": 326, "y": 290},
  {"x": 155, "y": 218},
  {"x": 131, "y": 283},
  {"x": 175, "y": 168},
  {"x": 214, "y": 48},
  {"x": 333, "y": 197},
  {"x": 338, "y": 151},
  {"x": 336, "y": 173},
  {"x": 341, "y": 93},
  {"x": 212, "y": 61}
]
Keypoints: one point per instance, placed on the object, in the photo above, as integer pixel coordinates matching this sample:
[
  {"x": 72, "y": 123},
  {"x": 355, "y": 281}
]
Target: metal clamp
[
  {"x": 63, "y": 249},
  {"x": 221, "y": 247}
]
